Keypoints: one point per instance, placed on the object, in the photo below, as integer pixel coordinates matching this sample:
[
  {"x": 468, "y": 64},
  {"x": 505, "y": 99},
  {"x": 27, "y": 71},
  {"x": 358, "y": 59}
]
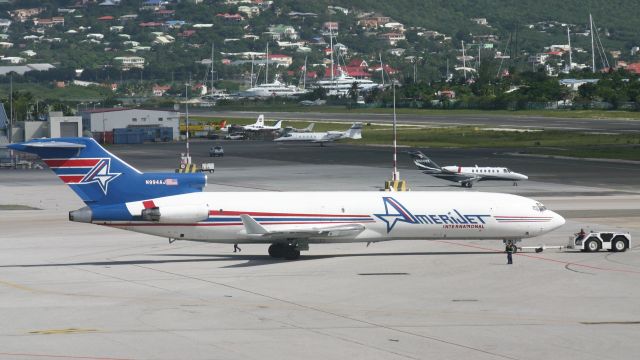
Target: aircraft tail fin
[
  {"x": 278, "y": 125},
  {"x": 260, "y": 121},
  {"x": 355, "y": 131},
  {"x": 100, "y": 178},
  {"x": 423, "y": 162},
  {"x": 310, "y": 127}
]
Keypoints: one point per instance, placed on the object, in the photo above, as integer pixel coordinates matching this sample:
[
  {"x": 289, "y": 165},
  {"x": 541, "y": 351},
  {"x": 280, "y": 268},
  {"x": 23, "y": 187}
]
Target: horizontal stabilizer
[{"x": 252, "y": 227}]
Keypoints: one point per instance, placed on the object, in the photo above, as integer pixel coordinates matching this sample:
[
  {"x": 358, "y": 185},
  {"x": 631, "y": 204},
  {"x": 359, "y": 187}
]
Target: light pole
[{"x": 396, "y": 174}]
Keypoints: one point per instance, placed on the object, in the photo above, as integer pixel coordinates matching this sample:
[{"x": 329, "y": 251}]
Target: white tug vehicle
[{"x": 600, "y": 240}]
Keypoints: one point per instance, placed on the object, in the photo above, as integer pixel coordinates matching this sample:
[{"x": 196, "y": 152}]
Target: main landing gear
[
  {"x": 467, "y": 184},
  {"x": 286, "y": 251}
]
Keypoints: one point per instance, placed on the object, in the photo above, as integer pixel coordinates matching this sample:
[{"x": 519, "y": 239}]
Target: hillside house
[
  {"x": 130, "y": 62},
  {"x": 281, "y": 32},
  {"x": 23, "y": 15},
  {"x": 249, "y": 11},
  {"x": 230, "y": 17},
  {"x": 392, "y": 38},
  {"x": 160, "y": 90}
]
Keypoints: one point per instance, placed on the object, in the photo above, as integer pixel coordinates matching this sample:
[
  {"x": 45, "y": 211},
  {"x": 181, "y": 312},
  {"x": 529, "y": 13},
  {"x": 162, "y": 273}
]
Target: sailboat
[{"x": 215, "y": 94}]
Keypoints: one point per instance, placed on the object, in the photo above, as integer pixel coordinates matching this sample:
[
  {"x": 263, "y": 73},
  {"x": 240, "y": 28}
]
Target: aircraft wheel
[
  {"x": 276, "y": 250},
  {"x": 291, "y": 253}
]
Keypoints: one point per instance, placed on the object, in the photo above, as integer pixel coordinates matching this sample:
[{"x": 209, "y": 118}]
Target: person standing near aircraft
[
  {"x": 510, "y": 249},
  {"x": 236, "y": 247}
]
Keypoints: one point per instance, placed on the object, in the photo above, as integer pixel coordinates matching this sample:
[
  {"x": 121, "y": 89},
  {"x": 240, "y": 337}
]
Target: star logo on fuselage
[
  {"x": 394, "y": 213},
  {"x": 100, "y": 174}
]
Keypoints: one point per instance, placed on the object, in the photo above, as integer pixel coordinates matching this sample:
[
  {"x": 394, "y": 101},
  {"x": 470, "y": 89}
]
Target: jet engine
[{"x": 176, "y": 214}]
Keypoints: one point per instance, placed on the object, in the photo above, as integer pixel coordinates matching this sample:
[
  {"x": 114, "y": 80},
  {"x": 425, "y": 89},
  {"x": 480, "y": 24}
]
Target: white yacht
[
  {"x": 276, "y": 88},
  {"x": 340, "y": 85}
]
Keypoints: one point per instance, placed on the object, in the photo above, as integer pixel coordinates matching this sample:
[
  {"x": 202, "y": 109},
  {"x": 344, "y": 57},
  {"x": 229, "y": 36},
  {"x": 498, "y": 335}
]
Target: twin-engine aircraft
[
  {"x": 464, "y": 175},
  {"x": 174, "y": 206},
  {"x": 354, "y": 132}
]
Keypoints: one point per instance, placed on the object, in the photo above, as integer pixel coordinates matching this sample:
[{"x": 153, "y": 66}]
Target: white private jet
[
  {"x": 260, "y": 126},
  {"x": 465, "y": 175},
  {"x": 354, "y": 132},
  {"x": 173, "y": 205}
]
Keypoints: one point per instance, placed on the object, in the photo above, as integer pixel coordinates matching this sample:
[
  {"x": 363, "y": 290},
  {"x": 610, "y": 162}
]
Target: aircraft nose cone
[
  {"x": 523, "y": 177},
  {"x": 558, "y": 220}
]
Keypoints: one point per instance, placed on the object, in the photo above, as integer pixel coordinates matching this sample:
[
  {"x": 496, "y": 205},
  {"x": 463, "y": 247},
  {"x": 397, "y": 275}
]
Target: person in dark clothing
[
  {"x": 236, "y": 248},
  {"x": 510, "y": 249},
  {"x": 581, "y": 234}
]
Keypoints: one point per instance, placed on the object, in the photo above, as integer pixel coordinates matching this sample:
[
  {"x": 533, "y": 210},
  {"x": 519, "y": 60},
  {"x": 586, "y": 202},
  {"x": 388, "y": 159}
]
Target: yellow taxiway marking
[{"x": 61, "y": 331}]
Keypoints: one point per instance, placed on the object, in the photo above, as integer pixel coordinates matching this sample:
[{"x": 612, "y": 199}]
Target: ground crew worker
[
  {"x": 510, "y": 249},
  {"x": 236, "y": 248}
]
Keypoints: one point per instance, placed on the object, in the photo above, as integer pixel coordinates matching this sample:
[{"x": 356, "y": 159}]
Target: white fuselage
[
  {"x": 312, "y": 137},
  {"x": 496, "y": 173},
  {"x": 384, "y": 215}
]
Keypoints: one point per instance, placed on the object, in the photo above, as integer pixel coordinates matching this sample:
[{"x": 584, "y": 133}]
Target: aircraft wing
[{"x": 254, "y": 229}]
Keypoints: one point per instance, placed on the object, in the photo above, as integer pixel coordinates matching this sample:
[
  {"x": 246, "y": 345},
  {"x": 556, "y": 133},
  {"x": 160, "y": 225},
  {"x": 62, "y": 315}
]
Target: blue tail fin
[{"x": 101, "y": 178}]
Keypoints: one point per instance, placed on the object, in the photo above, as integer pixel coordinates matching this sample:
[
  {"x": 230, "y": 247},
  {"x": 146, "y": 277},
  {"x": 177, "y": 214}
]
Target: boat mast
[
  {"x": 464, "y": 63},
  {"x": 266, "y": 74},
  {"x": 251, "y": 80},
  {"x": 213, "y": 46},
  {"x": 304, "y": 74},
  {"x": 593, "y": 51},
  {"x": 381, "y": 68},
  {"x": 331, "y": 48},
  {"x": 569, "y": 40}
]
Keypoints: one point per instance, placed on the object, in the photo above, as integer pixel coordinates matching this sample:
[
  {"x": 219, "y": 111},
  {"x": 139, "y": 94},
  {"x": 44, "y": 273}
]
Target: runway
[
  {"x": 80, "y": 291},
  {"x": 455, "y": 119}
]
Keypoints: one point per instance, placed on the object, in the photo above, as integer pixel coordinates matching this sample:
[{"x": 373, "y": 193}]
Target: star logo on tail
[
  {"x": 394, "y": 212},
  {"x": 100, "y": 174}
]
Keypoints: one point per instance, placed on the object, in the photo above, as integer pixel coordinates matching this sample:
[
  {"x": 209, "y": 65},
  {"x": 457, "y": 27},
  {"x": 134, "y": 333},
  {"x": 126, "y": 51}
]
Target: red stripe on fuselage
[
  {"x": 149, "y": 204},
  {"x": 55, "y": 163},
  {"x": 255, "y": 213}
]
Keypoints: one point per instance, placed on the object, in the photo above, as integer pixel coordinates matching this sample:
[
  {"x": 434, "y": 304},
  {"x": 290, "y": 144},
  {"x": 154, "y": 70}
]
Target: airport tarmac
[{"x": 80, "y": 291}]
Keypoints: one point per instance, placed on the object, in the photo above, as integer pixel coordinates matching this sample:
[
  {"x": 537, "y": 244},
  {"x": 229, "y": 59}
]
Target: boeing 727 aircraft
[
  {"x": 464, "y": 175},
  {"x": 354, "y": 132},
  {"x": 174, "y": 206}
]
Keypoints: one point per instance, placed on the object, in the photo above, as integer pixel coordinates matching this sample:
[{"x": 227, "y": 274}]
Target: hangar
[{"x": 105, "y": 123}]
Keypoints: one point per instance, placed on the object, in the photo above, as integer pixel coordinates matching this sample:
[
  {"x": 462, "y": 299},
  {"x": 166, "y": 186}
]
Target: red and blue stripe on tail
[{"x": 101, "y": 178}]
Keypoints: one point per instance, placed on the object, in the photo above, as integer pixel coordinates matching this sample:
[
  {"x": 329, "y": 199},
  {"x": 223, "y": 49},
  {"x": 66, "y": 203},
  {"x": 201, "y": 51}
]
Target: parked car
[
  {"x": 216, "y": 151},
  {"x": 236, "y": 136}
]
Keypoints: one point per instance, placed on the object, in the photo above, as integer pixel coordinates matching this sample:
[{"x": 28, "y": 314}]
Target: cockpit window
[{"x": 539, "y": 207}]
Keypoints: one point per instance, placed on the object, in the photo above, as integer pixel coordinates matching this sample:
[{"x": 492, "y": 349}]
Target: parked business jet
[
  {"x": 354, "y": 132},
  {"x": 173, "y": 206},
  {"x": 464, "y": 175},
  {"x": 260, "y": 126}
]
